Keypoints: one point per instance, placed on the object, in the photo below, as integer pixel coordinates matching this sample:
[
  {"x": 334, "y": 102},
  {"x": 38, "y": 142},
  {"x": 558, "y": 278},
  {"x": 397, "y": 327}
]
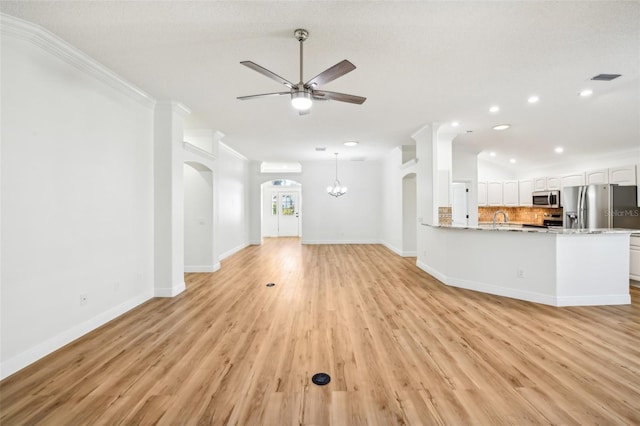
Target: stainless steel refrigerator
[{"x": 600, "y": 206}]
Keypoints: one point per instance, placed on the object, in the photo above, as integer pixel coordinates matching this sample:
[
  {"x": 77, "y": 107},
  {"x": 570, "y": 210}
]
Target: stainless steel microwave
[{"x": 550, "y": 199}]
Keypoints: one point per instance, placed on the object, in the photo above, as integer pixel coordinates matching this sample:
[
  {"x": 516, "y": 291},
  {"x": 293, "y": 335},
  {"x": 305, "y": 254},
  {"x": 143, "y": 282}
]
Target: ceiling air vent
[
  {"x": 321, "y": 148},
  {"x": 357, "y": 158},
  {"x": 605, "y": 77}
]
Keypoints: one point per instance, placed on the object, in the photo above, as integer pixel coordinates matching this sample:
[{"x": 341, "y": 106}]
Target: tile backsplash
[
  {"x": 444, "y": 215},
  {"x": 531, "y": 215}
]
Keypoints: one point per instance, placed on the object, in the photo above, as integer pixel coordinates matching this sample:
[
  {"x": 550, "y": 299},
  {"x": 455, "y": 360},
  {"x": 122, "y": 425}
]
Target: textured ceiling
[{"x": 417, "y": 62}]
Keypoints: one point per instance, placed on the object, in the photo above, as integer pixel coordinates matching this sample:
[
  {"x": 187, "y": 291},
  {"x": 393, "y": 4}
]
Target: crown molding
[
  {"x": 198, "y": 151},
  {"x": 232, "y": 151},
  {"x": 35, "y": 34}
]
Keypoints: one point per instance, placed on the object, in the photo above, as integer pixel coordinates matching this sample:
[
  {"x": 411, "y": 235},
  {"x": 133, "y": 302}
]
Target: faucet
[{"x": 495, "y": 215}]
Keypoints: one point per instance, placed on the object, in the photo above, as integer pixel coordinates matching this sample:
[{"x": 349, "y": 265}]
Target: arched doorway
[
  {"x": 409, "y": 213},
  {"x": 281, "y": 208},
  {"x": 199, "y": 252}
]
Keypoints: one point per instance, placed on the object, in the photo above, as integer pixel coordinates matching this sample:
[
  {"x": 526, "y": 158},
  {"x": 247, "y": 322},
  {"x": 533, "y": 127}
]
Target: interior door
[
  {"x": 459, "y": 204},
  {"x": 288, "y": 214}
]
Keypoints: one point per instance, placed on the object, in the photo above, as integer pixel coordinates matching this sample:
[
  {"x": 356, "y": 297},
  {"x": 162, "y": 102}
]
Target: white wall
[
  {"x": 198, "y": 219},
  {"x": 77, "y": 198},
  {"x": 233, "y": 214},
  {"x": 409, "y": 219},
  {"x": 391, "y": 230},
  {"x": 351, "y": 218},
  {"x": 615, "y": 159},
  {"x": 489, "y": 171}
]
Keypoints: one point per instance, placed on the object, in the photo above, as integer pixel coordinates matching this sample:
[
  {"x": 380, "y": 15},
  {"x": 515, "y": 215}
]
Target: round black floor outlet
[
  {"x": 270, "y": 284},
  {"x": 321, "y": 379}
]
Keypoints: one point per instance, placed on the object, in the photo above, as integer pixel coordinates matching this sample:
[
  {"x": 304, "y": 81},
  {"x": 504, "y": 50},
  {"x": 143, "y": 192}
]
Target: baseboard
[
  {"x": 598, "y": 300},
  {"x": 545, "y": 299},
  {"x": 409, "y": 254},
  {"x": 392, "y": 248},
  {"x": 200, "y": 268},
  {"x": 32, "y": 355},
  {"x": 340, "y": 241},
  {"x": 234, "y": 250},
  {"x": 169, "y": 292}
]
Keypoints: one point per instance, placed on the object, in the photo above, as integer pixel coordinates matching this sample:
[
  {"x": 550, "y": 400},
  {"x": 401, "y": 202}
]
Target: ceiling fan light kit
[{"x": 303, "y": 94}]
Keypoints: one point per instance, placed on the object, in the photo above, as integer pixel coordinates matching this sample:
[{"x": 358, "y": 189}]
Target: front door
[{"x": 288, "y": 214}]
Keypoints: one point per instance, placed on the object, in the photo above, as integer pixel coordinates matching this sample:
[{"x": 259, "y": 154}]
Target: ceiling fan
[{"x": 303, "y": 94}]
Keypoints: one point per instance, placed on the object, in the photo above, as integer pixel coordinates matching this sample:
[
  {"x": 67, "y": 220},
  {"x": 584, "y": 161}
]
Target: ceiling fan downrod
[{"x": 301, "y": 35}]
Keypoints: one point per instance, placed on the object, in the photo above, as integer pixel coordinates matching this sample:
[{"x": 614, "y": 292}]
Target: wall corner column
[{"x": 168, "y": 198}]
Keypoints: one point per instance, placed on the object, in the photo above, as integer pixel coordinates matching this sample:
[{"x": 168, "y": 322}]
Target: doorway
[{"x": 281, "y": 209}]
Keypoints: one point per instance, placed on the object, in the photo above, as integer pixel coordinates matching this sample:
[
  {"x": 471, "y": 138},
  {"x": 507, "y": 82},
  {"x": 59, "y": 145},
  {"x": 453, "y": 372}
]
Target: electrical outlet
[
  {"x": 84, "y": 299},
  {"x": 520, "y": 273}
]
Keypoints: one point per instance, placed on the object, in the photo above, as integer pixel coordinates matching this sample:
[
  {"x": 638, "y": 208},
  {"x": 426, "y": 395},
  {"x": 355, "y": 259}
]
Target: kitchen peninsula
[{"x": 556, "y": 267}]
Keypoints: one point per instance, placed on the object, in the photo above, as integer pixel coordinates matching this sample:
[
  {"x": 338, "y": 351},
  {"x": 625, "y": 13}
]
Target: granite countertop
[{"x": 552, "y": 230}]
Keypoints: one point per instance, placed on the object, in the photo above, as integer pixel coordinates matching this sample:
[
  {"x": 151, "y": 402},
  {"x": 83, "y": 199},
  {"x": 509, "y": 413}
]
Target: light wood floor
[{"x": 400, "y": 347}]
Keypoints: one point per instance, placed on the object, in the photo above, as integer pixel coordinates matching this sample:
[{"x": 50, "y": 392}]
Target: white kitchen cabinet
[
  {"x": 510, "y": 193},
  {"x": 573, "y": 179},
  {"x": 494, "y": 193},
  {"x": 525, "y": 189},
  {"x": 623, "y": 175},
  {"x": 553, "y": 182},
  {"x": 634, "y": 260},
  {"x": 597, "y": 176},
  {"x": 482, "y": 193},
  {"x": 540, "y": 184}
]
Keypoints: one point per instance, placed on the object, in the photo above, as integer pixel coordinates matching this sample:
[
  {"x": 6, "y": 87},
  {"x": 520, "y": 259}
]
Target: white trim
[
  {"x": 51, "y": 43},
  {"x": 43, "y": 349},
  {"x": 232, "y": 151},
  {"x": 169, "y": 292},
  {"x": 201, "y": 268},
  {"x": 340, "y": 242},
  {"x": 392, "y": 248},
  {"x": 409, "y": 254},
  {"x": 529, "y": 296},
  {"x": 198, "y": 151},
  {"x": 234, "y": 250},
  {"x": 409, "y": 163}
]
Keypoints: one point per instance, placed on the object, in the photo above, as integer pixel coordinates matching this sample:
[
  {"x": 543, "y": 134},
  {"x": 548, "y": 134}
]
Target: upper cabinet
[
  {"x": 597, "y": 176},
  {"x": 540, "y": 184},
  {"x": 510, "y": 193},
  {"x": 573, "y": 179},
  {"x": 525, "y": 189},
  {"x": 494, "y": 193},
  {"x": 553, "y": 183},
  {"x": 482, "y": 193},
  {"x": 623, "y": 175}
]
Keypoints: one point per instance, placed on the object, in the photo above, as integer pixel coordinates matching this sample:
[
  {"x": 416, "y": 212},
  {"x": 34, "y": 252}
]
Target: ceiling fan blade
[
  {"x": 334, "y": 96},
  {"x": 264, "y": 95},
  {"x": 267, "y": 73},
  {"x": 330, "y": 74}
]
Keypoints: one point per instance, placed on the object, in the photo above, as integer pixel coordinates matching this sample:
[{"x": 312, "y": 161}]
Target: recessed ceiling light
[
  {"x": 559, "y": 150},
  {"x": 533, "y": 99},
  {"x": 512, "y": 160},
  {"x": 351, "y": 143},
  {"x": 492, "y": 154},
  {"x": 454, "y": 124},
  {"x": 586, "y": 92},
  {"x": 494, "y": 109},
  {"x": 501, "y": 127}
]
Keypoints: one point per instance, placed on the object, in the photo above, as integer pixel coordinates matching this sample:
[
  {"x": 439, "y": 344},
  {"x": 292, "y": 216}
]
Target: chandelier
[{"x": 336, "y": 190}]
